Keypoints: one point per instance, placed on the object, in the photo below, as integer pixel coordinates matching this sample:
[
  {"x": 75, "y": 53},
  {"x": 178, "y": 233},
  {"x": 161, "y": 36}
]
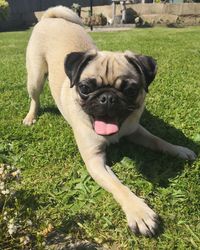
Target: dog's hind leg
[{"x": 36, "y": 70}]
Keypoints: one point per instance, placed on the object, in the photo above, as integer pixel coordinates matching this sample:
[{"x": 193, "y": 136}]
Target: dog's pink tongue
[{"x": 103, "y": 128}]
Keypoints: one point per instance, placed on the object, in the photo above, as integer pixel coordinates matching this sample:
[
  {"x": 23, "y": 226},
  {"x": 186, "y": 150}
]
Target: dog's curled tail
[{"x": 62, "y": 12}]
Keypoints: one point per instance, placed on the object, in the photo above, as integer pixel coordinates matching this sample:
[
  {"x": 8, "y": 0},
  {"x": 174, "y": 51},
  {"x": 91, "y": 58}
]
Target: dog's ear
[
  {"x": 145, "y": 65},
  {"x": 75, "y": 63}
]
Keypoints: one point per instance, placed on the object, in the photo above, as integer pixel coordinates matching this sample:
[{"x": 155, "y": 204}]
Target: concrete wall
[
  {"x": 155, "y": 8},
  {"x": 174, "y": 9}
]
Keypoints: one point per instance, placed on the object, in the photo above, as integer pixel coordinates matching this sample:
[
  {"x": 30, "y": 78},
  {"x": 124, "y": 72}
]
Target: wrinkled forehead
[{"x": 109, "y": 69}]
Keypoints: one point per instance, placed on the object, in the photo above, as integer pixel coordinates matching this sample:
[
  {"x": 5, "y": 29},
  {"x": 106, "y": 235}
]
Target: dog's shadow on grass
[{"x": 156, "y": 167}]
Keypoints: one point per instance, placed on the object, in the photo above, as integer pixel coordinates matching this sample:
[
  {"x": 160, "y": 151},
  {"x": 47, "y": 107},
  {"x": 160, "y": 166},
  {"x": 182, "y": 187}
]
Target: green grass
[{"x": 55, "y": 190}]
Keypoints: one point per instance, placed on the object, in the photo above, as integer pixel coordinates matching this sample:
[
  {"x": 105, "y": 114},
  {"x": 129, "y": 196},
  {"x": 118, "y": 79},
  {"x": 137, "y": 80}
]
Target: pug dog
[{"x": 101, "y": 95}]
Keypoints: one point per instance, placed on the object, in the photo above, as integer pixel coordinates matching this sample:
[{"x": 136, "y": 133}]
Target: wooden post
[{"x": 91, "y": 13}]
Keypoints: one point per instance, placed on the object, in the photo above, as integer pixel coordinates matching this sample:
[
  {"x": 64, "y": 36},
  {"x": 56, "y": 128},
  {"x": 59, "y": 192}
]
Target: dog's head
[{"x": 110, "y": 86}]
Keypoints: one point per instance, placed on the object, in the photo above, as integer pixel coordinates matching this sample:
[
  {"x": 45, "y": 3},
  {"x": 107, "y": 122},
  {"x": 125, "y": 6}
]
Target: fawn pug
[{"x": 101, "y": 95}]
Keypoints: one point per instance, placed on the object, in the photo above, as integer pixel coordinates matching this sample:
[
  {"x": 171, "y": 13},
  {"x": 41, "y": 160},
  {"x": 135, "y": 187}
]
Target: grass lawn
[{"x": 55, "y": 198}]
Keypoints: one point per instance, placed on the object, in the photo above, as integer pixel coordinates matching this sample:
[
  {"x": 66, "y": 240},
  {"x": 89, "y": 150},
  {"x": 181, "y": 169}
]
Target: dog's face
[{"x": 110, "y": 86}]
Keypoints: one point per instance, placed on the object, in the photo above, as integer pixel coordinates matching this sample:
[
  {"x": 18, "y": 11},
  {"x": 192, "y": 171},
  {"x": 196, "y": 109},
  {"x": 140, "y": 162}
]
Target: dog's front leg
[
  {"x": 143, "y": 137},
  {"x": 141, "y": 218}
]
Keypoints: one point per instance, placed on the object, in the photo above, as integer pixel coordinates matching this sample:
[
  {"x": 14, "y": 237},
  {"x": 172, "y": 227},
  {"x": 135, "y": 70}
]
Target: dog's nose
[{"x": 107, "y": 99}]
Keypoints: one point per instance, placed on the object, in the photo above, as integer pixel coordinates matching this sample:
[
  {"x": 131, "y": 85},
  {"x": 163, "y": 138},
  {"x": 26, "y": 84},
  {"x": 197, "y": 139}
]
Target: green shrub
[{"x": 3, "y": 9}]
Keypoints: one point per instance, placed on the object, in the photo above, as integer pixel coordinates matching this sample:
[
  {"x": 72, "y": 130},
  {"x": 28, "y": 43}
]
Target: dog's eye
[
  {"x": 84, "y": 89},
  {"x": 129, "y": 89}
]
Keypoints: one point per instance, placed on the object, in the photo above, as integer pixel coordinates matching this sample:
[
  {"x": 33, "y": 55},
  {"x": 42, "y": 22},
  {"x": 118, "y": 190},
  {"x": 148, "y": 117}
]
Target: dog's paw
[
  {"x": 185, "y": 153},
  {"x": 141, "y": 218},
  {"x": 29, "y": 120}
]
